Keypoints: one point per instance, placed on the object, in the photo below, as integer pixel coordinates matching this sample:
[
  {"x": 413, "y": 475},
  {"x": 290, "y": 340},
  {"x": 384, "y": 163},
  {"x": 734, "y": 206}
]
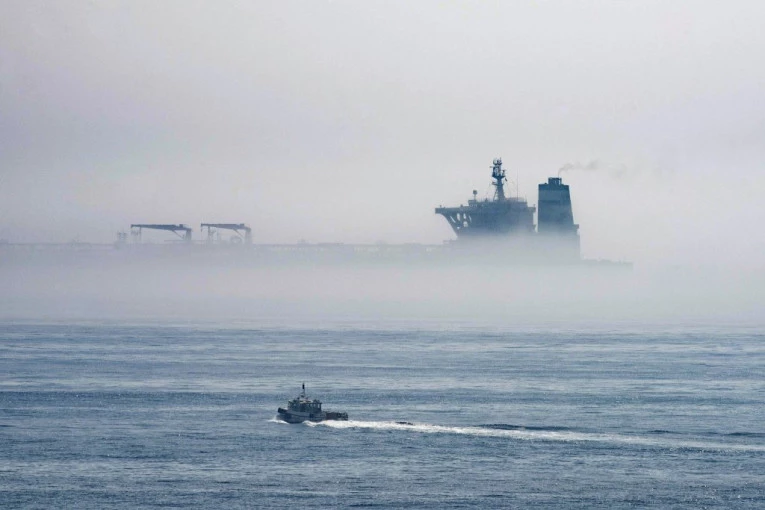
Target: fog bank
[{"x": 383, "y": 293}]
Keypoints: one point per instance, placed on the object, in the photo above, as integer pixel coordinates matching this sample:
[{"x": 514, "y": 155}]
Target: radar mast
[{"x": 498, "y": 174}]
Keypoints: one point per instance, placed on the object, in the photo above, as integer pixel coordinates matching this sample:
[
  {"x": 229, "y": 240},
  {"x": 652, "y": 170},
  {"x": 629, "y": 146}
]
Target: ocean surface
[{"x": 130, "y": 415}]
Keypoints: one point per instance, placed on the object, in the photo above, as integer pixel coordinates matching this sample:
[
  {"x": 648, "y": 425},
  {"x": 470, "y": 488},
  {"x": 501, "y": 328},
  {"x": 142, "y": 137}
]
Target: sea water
[{"x": 119, "y": 415}]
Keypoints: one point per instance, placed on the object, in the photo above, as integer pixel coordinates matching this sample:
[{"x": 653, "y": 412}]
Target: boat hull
[{"x": 299, "y": 417}]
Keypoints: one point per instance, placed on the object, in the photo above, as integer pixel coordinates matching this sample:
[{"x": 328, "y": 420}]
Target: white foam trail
[{"x": 538, "y": 435}]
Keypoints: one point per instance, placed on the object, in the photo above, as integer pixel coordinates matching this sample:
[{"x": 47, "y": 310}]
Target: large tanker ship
[{"x": 500, "y": 229}]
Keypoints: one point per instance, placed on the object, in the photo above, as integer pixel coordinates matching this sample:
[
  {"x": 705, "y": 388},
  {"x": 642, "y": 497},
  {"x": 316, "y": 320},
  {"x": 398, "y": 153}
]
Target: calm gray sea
[{"x": 98, "y": 415}]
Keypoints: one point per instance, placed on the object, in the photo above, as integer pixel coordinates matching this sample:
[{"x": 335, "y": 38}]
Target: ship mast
[{"x": 498, "y": 174}]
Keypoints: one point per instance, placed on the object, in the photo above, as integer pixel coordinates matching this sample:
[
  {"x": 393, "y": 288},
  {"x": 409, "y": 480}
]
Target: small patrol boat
[{"x": 302, "y": 408}]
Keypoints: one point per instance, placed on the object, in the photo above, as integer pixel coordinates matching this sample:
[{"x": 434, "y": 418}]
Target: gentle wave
[
  {"x": 538, "y": 434},
  {"x": 505, "y": 426}
]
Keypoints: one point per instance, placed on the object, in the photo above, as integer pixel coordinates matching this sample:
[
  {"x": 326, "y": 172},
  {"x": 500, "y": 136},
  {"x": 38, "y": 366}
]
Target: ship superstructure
[
  {"x": 511, "y": 219},
  {"x": 500, "y": 216}
]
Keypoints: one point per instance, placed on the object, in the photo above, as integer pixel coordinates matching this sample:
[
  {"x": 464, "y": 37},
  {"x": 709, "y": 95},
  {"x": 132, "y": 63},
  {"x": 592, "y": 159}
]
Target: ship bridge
[{"x": 500, "y": 216}]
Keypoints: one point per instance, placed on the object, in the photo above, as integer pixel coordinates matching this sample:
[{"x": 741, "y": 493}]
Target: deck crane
[
  {"x": 175, "y": 229},
  {"x": 239, "y": 228}
]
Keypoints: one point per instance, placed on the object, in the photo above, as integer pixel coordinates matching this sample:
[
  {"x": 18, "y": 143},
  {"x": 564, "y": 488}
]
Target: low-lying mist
[{"x": 444, "y": 293}]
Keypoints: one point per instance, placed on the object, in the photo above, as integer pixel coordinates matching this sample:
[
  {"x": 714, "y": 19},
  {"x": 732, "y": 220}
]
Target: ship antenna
[{"x": 303, "y": 393}]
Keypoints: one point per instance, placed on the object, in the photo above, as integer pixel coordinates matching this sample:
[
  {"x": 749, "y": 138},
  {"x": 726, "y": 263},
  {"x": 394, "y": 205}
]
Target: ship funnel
[{"x": 555, "y": 216}]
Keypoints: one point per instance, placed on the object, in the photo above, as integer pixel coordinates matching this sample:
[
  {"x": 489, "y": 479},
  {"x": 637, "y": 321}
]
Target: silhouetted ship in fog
[
  {"x": 504, "y": 225},
  {"x": 497, "y": 230}
]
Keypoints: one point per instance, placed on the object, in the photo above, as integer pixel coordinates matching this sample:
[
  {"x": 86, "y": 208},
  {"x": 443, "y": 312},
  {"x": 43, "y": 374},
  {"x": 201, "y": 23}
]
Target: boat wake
[{"x": 541, "y": 434}]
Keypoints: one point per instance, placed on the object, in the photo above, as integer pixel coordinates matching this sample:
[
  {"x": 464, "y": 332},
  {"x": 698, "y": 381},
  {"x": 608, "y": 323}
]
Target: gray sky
[{"x": 351, "y": 121}]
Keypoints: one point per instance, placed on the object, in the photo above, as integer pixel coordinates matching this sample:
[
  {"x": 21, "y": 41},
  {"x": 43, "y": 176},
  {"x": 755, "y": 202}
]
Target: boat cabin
[{"x": 305, "y": 406}]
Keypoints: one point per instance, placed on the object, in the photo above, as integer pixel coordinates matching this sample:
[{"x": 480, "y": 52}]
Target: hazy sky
[{"x": 351, "y": 121}]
